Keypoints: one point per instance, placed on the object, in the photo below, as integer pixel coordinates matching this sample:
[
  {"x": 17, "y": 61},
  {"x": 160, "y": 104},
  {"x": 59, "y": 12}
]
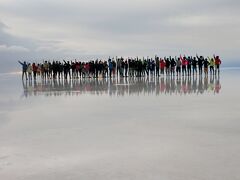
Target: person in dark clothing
[
  {"x": 172, "y": 64},
  {"x": 73, "y": 67},
  {"x": 67, "y": 68},
  {"x": 114, "y": 67},
  {"x": 105, "y": 69},
  {"x": 206, "y": 64},
  {"x": 97, "y": 68},
  {"x": 139, "y": 68},
  {"x": 61, "y": 70},
  {"x": 167, "y": 65},
  {"x": 200, "y": 64},
  {"x": 24, "y": 69},
  {"x": 50, "y": 70},
  {"x": 152, "y": 67},
  {"x": 157, "y": 62},
  {"x": 189, "y": 66},
  {"x": 110, "y": 66},
  {"x": 54, "y": 70},
  {"x": 35, "y": 69},
  {"x": 121, "y": 67},
  {"x": 145, "y": 67},
  {"x": 126, "y": 68},
  {"x": 194, "y": 65}
]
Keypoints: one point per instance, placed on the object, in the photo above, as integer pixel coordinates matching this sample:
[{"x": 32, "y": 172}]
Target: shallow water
[{"x": 164, "y": 128}]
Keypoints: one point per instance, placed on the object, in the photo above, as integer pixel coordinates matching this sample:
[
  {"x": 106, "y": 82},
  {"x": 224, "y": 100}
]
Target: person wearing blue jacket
[
  {"x": 24, "y": 69},
  {"x": 110, "y": 66}
]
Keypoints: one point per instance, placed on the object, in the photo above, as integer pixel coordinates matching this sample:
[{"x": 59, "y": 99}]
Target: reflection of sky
[
  {"x": 138, "y": 136},
  {"x": 124, "y": 86}
]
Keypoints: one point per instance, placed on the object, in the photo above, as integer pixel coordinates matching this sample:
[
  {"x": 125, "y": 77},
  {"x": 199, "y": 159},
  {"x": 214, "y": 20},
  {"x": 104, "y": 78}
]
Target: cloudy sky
[{"x": 33, "y": 30}]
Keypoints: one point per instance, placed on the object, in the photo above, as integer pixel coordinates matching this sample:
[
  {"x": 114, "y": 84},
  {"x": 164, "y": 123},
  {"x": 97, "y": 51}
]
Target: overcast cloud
[{"x": 32, "y": 30}]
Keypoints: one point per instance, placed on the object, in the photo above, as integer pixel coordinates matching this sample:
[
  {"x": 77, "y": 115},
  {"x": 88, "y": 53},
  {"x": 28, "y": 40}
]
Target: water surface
[{"x": 139, "y": 128}]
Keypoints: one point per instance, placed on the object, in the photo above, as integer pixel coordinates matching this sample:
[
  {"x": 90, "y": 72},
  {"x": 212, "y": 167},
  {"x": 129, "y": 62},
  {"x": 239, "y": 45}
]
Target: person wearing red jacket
[
  {"x": 35, "y": 69},
  {"x": 218, "y": 62},
  {"x": 184, "y": 64},
  {"x": 162, "y": 66}
]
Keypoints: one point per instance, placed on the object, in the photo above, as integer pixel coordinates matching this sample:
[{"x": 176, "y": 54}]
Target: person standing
[
  {"x": 218, "y": 62},
  {"x": 167, "y": 65},
  {"x": 211, "y": 65},
  {"x": 172, "y": 64},
  {"x": 184, "y": 64},
  {"x": 200, "y": 64},
  {"x": 205, "y": 64},
  {"x": 126, "y": 68},
  {"x": 35, "y": 69},
  {"x": 194, "y": 65},
  {"x": 110, "y": 67},
  {"x": 162, "y": 66},
  {"x": 189, "y": 66},
  {"x": 29, "y": 71},
  {"x": 24, "y": 69},
  {"x": 178, "y": 66},
  {"x": 157, "y": 65}
]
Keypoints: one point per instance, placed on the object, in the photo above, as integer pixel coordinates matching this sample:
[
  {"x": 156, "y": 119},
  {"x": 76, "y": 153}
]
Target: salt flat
[{"x": 164, "y": 128}]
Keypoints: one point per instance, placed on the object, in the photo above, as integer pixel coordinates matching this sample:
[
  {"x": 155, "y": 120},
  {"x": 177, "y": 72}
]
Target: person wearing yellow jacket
[{"x": 211, "y": 65}]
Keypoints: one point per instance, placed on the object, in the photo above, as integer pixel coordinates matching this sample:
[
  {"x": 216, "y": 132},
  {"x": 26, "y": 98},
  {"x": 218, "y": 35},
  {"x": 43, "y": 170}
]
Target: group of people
[{"x": 120, "y": 67}]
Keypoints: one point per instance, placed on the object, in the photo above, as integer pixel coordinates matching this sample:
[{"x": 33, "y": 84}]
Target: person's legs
[
  {"x": 34, "y": 75},
  {"x": 218, "y": 69},
  {"x": 25, "y": 73},
  {"x": 30, "y": 76},
  {"x": 22, "y": 74}
]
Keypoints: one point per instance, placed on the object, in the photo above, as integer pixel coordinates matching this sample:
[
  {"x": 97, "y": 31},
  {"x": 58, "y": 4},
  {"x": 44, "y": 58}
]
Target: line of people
[{"x": 120, "y": 67}]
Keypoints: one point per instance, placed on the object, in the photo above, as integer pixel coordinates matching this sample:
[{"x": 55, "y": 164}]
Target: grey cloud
[{"x": 102, "y": 28}]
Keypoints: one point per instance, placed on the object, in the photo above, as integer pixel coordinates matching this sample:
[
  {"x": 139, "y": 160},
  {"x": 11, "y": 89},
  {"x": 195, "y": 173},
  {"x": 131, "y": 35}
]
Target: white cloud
[
  {"x": 12, "y": 49},
  {"x": 47, "y": 49}
]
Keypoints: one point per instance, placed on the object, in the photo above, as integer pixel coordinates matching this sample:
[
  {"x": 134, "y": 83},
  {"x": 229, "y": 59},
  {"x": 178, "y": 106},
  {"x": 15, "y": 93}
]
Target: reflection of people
[
  {"x": 24, "y": 69},
  {"x": 25, "y": 89},
  {"x": 217, "y": 86},
  {"x": 200, "y": 85},
  {"x": 124, "y": 86}
]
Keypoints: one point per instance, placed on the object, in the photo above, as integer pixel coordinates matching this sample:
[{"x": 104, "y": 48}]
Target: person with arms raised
[{"x": 24, "y": 69}]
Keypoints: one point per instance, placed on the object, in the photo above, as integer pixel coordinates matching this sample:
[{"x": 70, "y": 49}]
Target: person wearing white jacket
[{"x": 29, "y": 71}]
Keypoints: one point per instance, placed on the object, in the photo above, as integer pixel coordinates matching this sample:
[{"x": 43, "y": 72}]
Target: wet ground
[{"x": 131, "y": 128}]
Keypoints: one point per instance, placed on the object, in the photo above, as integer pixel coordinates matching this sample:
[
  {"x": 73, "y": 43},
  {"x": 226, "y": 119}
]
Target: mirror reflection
[{"x": 124, "y": 86}]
